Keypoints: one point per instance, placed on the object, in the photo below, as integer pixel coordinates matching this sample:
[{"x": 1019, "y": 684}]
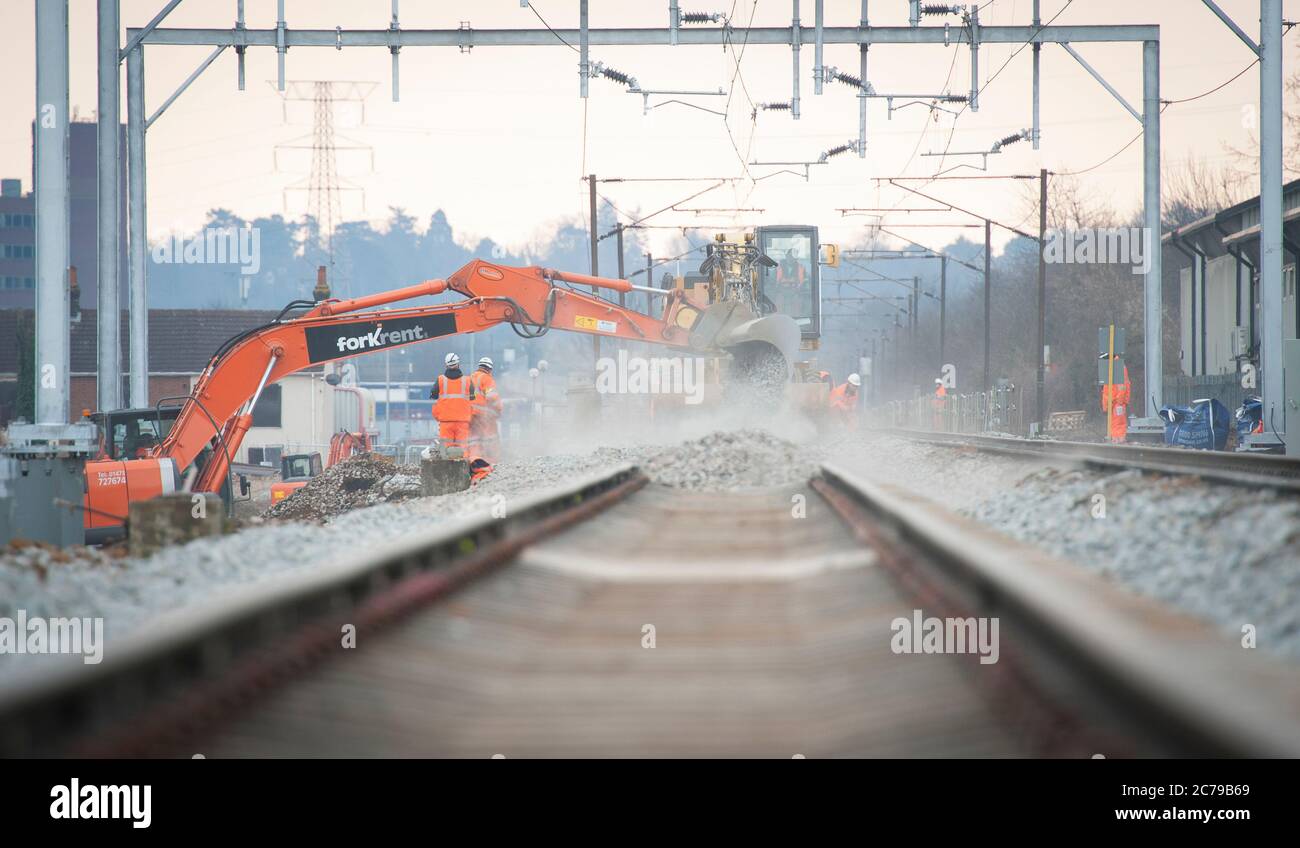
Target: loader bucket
[{"x": 763, "y": 348}]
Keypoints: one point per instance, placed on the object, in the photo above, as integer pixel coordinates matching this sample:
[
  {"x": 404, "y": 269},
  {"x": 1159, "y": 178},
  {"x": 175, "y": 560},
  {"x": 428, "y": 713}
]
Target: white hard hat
[
  {"x": 938, "y": 379},
  {"x": 451, "y": 360},
  {"x": 485, "y": 362},
  {"x": 855, "y": 380}
]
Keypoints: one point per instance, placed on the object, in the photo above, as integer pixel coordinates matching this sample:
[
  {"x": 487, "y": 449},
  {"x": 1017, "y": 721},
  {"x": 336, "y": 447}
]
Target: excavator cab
[
  {"x": 124, "y": 469},
  {"x": 132, "y": 433},
  {"x": 126, "y": 434}
]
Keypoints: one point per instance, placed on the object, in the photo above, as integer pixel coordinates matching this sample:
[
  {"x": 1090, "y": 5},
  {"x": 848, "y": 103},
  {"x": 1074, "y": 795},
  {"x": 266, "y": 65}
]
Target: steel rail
[
  {"x": 773, "y": 629},
  {"x": 1232, "y": 467},
  {"x": 194, "y": 665},
  {"x": 1173, "y": 681}
]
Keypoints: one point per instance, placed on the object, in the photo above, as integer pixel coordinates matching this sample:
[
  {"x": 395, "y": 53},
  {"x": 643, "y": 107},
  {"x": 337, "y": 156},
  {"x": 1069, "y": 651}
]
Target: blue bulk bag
[
  {"x": 1249, "y": 415},
  {"x": 1203, "y": 425}
]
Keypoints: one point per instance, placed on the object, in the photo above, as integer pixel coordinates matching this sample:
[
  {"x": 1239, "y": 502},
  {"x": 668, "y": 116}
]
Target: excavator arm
[{"x": 533, "y": 300}]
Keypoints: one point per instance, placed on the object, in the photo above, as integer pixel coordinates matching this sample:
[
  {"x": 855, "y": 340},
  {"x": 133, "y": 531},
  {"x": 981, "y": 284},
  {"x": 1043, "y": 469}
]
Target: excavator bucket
[{"x": 763, "y": 348}]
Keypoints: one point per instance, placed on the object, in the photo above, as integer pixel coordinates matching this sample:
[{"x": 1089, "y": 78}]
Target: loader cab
[
  {"x": 132, "y": 433},
  {"x": 296, "y": 470},
  {"x": 793, "y": 284},
  {"x": 299, "y": 467}
]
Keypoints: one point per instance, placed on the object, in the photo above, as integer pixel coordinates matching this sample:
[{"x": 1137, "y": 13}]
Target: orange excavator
[{"x": 198, "y": 448}]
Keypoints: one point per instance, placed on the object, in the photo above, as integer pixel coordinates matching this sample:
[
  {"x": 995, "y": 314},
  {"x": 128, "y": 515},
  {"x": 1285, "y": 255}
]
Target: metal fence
[
  {"x": 1001, "y": 410},
  {"x": 1181, "y": 390},
  {"x": 998, "y": 410}
]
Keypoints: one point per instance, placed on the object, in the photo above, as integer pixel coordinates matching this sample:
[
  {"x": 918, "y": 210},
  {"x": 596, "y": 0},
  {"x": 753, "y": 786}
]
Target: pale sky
[{"x": 496, "y": 137}]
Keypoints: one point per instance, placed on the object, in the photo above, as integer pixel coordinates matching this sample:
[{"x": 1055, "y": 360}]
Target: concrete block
[
  {"x": 443, "y": 476},
  {"x": 172, "y": 520}
]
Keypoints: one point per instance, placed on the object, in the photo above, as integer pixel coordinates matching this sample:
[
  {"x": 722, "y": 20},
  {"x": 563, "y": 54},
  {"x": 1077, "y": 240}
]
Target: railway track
[
  {"x": 616, "y": 617},
  {"x": 1235, "y": 468}
]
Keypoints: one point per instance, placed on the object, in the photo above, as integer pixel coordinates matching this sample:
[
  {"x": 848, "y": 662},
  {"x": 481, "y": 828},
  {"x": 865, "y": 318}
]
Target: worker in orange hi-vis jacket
[
  {"x": 484, "y": 424},
  {"x": 844, "y": 401},
  {"x": 453, "y": 399},
  {"x": 939, "y": 402},
  {"x": 1114, "y": 402}
]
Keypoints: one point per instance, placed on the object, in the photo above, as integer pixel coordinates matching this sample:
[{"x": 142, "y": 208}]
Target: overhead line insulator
[
  {"x": 615, "y": 75},
  {"x": 1011, "y": 139},
  {"x": 836, "y": 151},
  {"x": 701, "y": 17},
  {"x": 768, "y": 107},
  {"x": 847, "y": 79}
]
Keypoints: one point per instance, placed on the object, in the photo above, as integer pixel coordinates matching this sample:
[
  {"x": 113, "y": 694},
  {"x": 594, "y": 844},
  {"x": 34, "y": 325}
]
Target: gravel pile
[
  {"x": 1227, "y": 554},
  {"x": 39, "y": 558},
  {"x": 362, "y": 480},
  {"x": 728, "y": 461}
]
